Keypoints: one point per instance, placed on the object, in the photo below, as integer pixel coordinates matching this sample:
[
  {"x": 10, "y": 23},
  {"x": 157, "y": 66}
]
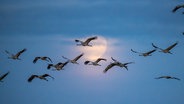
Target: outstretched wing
[
  {"x": 156, "y": 46},
  {"x": 99, "y": 59},
  {"x": 128, "y": 63},
  {"x": 35, "y": 60},
  {"x": 134, "y": 51},
  {"x": 31, "y": 78},
  {"x": 177, "y": 7},
  {"x": 78, "y": 40},
  {"x": 159, "y": 77},
  {"x": 75, "y": 59},
  {"x": 176, "y": 78},
  {"x": 90, "y": 39},
  {"x": 8, "y": 52},
  {"x": 4, "y": 75},
  {"x": 47, "y": 75},
  {"x": 114, "y": 59},
  {"x": 61, "y": 65},
  {"x": 172, "y": 46},
  {"x": 151, "y": 51},
  {"x": 108, "y": 67},
  {"x": 20, "y": 52},
  {"x": 49, "y": 59}
]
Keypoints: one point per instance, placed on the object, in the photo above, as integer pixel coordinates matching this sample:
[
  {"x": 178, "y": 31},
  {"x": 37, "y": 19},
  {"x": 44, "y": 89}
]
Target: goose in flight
[
  {"x": 166, "y": 50},
  {"x": 117, "y": 63},
  {"x": 167, "y": 77},
  {"x": 3, "y": 76},
  {"x": 74, "y": 61},
  {"x": 86, "y": 42},
  {"x": 145, "y": 53},
  {"x": 58, "y": 66},
  {"x": 177, "y": 7},
  {"x": 95, "y": 63},
  {"x": 43, "y": 77},
  {"x": 42, "y": 58},
  {"x": 16, "y": 56}
]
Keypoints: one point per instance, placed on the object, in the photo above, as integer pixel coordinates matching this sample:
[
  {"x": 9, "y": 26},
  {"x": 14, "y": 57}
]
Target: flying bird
[
  {"x": 167, "y": 77},
  {"x": 145, "y": 53},
  {"x": 3, "y": 76},
  {"x": 74, "y": 61},
  {"x": 166, "y": 50},
  {"x": 86, "y": 42},
  {"x": 58, "y": 66},
  {"x": 16, "y": 56},
  {"x": 177, "y": 7},
  {"x": 95, "y": 63},
  {"x": 117, "y": 63},
  {"x": 42, "y": 58},
  {"x": 43, "y": 77}
]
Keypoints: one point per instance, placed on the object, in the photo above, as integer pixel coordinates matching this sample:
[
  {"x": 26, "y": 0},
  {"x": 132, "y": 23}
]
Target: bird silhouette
[
  {"x": 145, "y": 53},
  {"x": 117, "y": 63},
  {"x": 86, "y": 42},
  {"x": 177, "y": 7},
  {"x": 166, "y": 50},
  {"x": 16, "y": 56},
  {"x": 45, "y": 58},
  {"x": 58, "y": 66},
  {"x": 95, "y": 63},
  {"x": 43, "y": 77},
  {"x": 167, "y": 77},
  {"x": 3, "y": 76},
  {"x": 74, "y": 61}
]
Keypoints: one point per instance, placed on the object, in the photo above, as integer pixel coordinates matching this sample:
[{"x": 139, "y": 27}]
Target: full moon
[{"x": 97, "y": 50}]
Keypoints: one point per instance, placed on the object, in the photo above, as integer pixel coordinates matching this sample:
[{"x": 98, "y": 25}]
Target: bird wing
[
  {"x": 134, "y": 51},
  {"x": 63, "y": 64},
  {"x": 76, "y": 40},
  {"x": 108, "y": 67},
  {"x": 176, "y": 78},
  {"x": 31, "y": 78},
  {"x": 176, "y": 8},
  {"x": 8, "y": 52},
  {"x": 47, "y": 75},
  {"x": 99, "y": 59},
  {"x": 20, "y": 52},
  {"x": 114, "y": 59},
  {"x": 86, "y": 62},
  {"x": 35, "y": 60},
  {"x": 151, "y": 51},
  {"x": 156, "y": 46},
  {"x": 172, "y": 46},
  {"x": 65, "y": 58},
  {"x": 159, "y": 77},
  {"x": 4, "y": 75},
  {"x": 89, "y": 39},
  {"x": 128, "y": 63},
  {"x": 49, "y": 59},
  {"x": 75, "y": 59}
]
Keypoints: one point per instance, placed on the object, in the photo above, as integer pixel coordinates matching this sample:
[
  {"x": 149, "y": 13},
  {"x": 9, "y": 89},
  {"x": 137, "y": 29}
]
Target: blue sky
[{"x": 49, "y": 28}]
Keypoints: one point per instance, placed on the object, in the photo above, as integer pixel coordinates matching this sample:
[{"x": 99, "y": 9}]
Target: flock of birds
[{"x": 61, "y": 65}]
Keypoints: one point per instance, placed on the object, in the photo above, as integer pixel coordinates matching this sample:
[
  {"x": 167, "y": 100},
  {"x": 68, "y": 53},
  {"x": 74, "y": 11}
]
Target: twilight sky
[{"x": 49, "y": 28}]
